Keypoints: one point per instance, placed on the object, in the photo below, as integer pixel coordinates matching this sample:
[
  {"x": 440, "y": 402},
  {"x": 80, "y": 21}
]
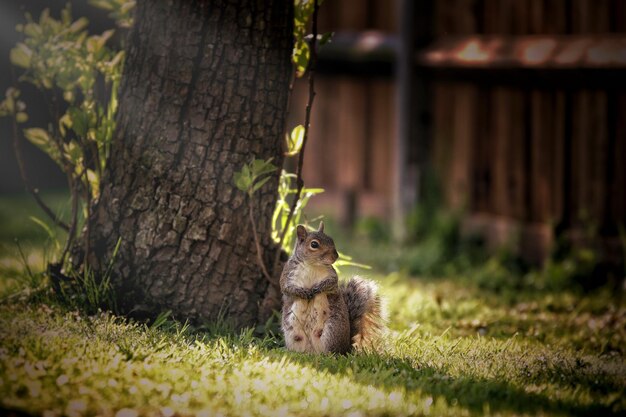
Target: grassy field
[{"x": 455, "y": 347}]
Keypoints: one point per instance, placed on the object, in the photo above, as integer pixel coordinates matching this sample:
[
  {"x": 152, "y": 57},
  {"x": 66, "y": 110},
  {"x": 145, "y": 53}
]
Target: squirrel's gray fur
[{"x": 319, "y": 313}]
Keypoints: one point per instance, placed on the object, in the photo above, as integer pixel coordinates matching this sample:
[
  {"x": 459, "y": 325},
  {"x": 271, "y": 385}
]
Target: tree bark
[{"x": 204, "y": 90}]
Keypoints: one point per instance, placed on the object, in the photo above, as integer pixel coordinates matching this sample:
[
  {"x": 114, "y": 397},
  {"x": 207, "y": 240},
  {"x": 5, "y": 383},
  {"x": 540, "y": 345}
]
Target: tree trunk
[{"x": 204, "y": 91}]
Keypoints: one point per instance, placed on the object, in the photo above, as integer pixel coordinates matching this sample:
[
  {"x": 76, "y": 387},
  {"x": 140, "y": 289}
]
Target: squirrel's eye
[{"x": 315, "y": 244}]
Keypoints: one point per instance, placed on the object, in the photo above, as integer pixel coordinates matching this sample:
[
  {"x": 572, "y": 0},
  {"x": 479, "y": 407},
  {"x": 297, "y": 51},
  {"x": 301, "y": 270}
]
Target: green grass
[
  {"x": 17, "y": 211},
  {"x": 23, "y": 240},
  {"x": 455, "y": 348}
]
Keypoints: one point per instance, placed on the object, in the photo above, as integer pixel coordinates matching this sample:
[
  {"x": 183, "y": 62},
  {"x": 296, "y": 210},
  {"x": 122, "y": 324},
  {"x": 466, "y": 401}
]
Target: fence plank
[
  {"x": 350, "y": 134},
  {"x": 501, "y": 142},
  {"x": 383, "y": 132},
  {"x": 540, "y": 158},
  {"x": 558, "y": 168},
  {"x": 463, "y": 139}
]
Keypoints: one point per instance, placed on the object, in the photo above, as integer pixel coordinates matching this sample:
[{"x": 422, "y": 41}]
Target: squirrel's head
[{"x": 315, "y": 247}]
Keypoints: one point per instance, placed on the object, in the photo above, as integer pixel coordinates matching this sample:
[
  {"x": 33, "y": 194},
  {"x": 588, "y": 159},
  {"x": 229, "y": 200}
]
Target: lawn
[{"x": 455, "y": 347}]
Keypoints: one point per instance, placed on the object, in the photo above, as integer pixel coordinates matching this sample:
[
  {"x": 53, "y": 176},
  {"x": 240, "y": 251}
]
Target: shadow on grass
[{"x": 475, "y": 394}]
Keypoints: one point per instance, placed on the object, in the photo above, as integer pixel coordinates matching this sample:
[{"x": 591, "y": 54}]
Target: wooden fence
[
  {"x": 529, "y": 148},
  {"x": 533, "y": 157}
]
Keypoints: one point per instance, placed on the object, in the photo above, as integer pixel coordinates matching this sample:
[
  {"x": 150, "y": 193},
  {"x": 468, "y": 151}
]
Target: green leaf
[
  {"x": 66, "y": 15},
  {"x": 248, "y": 179},
  {"x": 301, "y": 54},
  {"x": 8, "y": 104},
  {"x": 20, "y": 56},
  {"x": 12, "y": 92},
  {"x": 312, "y": 191},
  {"x": 41, "y": 139},
  {"x": 245, "y": 172},
  {"x": 242, "y": 181},
  {"x": 94, "y": 182},
  {"x": 79, "y": 121},
  {"x": 37, "y": 136},
  {"x": 79, "y": 25},
  {"x": 32, "y": 29},
  {"x": 65, "y": 122},
  {"x": 44, "y": 17},
  {"x": 261, "y": 167},
  {"x": 21, "y": 117},
  {"x": 73, "y": 152},
  {"x": 96, "y": 42},
  {"x": 43, "y": 225},
  {"x": 295, "y": 140},
  {"x": 117, "y": 59},
  {"x": 260, "y": 184},
  {"x": 102, "y": 4}
]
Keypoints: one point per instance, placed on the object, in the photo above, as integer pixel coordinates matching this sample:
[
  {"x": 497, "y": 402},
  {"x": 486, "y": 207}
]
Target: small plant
[
  {"x": 280, "y": 218},
  {"x": 253, "y": 176},
  {"x": 78, "y": 76},
  {"x": 86, "y": 291}
]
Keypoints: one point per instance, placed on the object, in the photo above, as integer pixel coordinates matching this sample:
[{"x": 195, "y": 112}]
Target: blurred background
[
  {"x": 510, "y": 115},
  {"x": 467, "y": 130}
]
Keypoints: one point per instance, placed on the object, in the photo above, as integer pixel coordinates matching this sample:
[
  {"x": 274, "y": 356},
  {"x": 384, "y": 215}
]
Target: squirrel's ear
[
  {"x": 301, "y": 232},
  {"x": 321, "y": 228}
]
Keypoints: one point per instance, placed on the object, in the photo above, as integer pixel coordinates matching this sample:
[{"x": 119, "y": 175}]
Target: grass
[{"x": 455, "y": 348}]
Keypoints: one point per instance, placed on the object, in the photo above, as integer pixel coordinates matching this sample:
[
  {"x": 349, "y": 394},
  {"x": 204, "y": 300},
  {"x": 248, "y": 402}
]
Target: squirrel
[{"x": 320, "y": 314}]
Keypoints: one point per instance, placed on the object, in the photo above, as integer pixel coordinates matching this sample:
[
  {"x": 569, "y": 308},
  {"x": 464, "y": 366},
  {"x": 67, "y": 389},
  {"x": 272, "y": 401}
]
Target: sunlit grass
[
  {"x": 454, "y": 348},
  {"x": 441, "y": 358}
]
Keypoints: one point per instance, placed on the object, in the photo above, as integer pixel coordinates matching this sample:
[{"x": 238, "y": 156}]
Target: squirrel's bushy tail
[{"x": 366, "y": 311}]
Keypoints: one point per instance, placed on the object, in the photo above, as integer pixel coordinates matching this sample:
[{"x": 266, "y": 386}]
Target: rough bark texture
[{"x": 204, "y": 91}]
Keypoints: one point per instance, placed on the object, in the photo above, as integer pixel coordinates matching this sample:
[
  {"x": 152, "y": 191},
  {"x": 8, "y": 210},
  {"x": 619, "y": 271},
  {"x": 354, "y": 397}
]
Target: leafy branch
[{"x": 78, "y": 75}]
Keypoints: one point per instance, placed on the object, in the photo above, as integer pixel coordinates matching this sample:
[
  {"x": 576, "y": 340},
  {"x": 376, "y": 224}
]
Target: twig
[
  {"x": 73, "y": 182},
  {"x": 71, "y": 233},
  {"x": 24, "y": 260},
  {"x": 34, "y": 191},
  {"x": 307, "y": 124},
  {"x": 258, "y": 245},
  {"x": 292, "y": 80},
  {"x": 87, "y": 211}
]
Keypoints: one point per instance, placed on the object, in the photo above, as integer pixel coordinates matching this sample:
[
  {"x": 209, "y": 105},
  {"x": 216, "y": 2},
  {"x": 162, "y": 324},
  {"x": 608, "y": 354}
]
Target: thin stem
[
  {"x": 87, "y": 212},
  {"x": 72, "y": 231},
  {"x": 24, "y": 260},
  {"x": 258, "y": 244},
  {"x": 292, "y": 80},
  {"x": 307, "y": 125},
  {"x": 32, "y": 190}
]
